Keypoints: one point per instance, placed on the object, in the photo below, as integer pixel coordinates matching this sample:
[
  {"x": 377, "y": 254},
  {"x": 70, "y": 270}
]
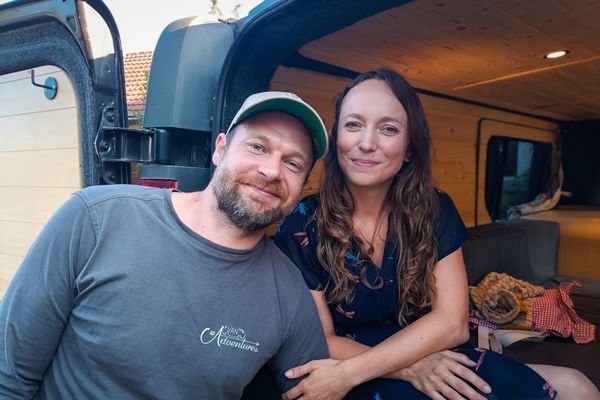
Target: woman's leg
[
  {"x": 508, "y": 378},
  {"x": 568, "y": 382},
  {"x": 385, "y": 389}
]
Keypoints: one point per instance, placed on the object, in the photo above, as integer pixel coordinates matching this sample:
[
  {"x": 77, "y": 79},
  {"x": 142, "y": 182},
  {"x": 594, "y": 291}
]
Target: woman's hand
[
  {"x": 446, "y": 375},
  {"x": 325, "y": 381}
]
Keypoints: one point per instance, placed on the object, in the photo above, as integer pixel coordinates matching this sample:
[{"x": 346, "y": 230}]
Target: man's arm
[
  {"x": 304, "y": 341},
  {"x": 38, "y": 302}
]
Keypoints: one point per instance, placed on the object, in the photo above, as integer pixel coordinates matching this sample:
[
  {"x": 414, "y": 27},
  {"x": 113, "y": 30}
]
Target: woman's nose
[{"x": 368, "y": 139}]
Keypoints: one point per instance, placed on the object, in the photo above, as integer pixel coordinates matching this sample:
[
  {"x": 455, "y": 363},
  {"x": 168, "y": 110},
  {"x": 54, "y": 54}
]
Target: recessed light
[{"x": 557, "y": 54}]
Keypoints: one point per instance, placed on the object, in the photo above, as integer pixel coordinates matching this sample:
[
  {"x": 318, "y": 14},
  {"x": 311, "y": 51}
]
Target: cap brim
[{"x": 306, "y": 114}]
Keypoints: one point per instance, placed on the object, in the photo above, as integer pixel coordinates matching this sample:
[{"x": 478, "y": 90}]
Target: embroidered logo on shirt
[{"x": 228, "y": 336}]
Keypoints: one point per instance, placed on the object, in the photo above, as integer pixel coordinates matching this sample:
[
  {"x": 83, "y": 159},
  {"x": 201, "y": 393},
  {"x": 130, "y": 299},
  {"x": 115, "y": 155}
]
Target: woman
[{"x": 380, "y": 249}]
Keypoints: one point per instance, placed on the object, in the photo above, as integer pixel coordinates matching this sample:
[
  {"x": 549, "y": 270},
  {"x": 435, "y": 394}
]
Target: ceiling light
[{"x": 557, "y": 54}]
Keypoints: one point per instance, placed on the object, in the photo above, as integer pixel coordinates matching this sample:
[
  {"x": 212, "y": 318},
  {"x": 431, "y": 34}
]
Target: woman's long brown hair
[{"x": 413, "y": 205}]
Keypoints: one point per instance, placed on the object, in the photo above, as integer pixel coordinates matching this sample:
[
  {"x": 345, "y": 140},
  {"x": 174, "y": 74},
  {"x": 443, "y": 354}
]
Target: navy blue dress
[{"x": 372, "y": 315}]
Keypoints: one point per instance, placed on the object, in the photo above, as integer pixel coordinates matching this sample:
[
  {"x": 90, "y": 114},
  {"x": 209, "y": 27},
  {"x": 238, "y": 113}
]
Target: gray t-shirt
[{"x": 118, "y": 299}]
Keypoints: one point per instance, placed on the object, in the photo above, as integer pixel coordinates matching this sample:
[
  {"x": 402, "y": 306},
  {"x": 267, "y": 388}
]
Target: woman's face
[{"x": 372, "y": 135}]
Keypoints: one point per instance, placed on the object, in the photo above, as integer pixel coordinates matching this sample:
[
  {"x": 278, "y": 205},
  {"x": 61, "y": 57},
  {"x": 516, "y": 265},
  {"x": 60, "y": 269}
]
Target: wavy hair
[{"x": 413, "y": 205}]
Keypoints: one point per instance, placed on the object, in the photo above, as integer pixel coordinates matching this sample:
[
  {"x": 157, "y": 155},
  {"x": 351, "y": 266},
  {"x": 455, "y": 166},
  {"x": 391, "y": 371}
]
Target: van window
[{"x": 516, "y": 172}]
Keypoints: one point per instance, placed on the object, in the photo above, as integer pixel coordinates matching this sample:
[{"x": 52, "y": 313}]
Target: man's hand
[
  {"x": 325, "y": 381},
  {"x": 446, "y": 375}
]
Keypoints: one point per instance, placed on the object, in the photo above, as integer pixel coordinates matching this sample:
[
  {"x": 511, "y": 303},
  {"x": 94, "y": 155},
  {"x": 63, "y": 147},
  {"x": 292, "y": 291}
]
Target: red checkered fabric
[
  {"x": 553, "y": 311},
  {"x": 475, "y": 321}
]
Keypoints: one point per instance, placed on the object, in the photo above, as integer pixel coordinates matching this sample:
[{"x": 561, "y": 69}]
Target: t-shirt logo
[{"x": 228, "y": 336}]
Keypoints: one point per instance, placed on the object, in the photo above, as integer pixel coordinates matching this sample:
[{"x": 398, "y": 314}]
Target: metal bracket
[
  {"x": 118, "y": 147},
  {"x": 50, "y": 85},
  {"x": 114, "y": 144}
]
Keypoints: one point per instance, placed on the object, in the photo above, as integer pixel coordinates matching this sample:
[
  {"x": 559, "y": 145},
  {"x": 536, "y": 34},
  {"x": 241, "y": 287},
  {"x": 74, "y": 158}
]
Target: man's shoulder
[
  {"x": 101, "y": 193},
  {"x": 285, "y": 271},
  {"x": 279, "y": 258}
]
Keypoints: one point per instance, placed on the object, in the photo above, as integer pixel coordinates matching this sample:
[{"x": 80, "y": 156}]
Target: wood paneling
[
  {"x": 31, "y": 204},
  {"x": 454, "y": 172},
  {"x": 39, "y": 159},
  {"x": 19, "y": 96},
  {"x": 9, "y": 264},
  {"x": 453, "y": 128},
  {"x": 447, "y": 125},
  {"x": 443, "y": 46},
  {"x": 41, "y": 168},
  {"x": 315, "y": 88},
  {"x": 16, "y": 237},
  {"x": 39, "y": 130},
  {"x": 579, "y": 246},
  {"x": 39, "y": 71},
  {"x": 445, "y": 150}
]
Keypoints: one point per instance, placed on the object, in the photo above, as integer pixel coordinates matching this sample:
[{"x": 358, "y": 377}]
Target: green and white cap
[{"x": 291, "y": 104}]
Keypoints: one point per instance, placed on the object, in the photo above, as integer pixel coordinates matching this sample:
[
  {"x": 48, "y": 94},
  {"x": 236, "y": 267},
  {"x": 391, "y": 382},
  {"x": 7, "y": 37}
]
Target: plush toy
[{"x": 505, "y": 300}]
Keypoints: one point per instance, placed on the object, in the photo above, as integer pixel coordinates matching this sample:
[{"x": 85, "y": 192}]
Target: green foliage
[
  {"x": 138, "y": 115},
  {"x": 214, "y": 8}
]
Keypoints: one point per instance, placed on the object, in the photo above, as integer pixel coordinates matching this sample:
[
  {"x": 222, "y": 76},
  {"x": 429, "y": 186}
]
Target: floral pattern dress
[{"x": 371, "y": 316}]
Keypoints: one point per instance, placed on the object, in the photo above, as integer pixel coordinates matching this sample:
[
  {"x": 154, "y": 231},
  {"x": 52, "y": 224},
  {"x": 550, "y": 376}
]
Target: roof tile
[{"x": 136, "y": 67}]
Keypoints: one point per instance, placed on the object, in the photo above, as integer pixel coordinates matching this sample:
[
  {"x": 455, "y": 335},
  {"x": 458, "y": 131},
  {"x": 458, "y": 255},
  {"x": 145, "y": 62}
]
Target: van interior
[
  {"x": 491, "y": 96},
  {"x": 516, "y": 133}
]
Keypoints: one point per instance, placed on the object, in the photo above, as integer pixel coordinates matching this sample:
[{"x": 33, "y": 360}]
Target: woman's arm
[{"x": 443, "y": 328}]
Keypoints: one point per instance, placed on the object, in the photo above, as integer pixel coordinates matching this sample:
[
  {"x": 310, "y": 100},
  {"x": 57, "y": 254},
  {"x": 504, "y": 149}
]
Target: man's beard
[{"x": 248, "y": 215}]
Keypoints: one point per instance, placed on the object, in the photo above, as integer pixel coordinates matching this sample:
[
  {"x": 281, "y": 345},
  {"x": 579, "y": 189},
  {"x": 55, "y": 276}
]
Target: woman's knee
[{"x": 570, "y": 383}]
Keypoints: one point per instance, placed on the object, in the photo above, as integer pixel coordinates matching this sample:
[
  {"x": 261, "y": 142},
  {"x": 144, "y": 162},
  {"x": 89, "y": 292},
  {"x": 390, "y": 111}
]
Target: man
[{"x": 133, "y": 292}]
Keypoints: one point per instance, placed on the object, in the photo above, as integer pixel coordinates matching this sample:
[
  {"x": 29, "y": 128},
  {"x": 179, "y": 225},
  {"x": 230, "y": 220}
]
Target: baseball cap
[{"x": 291, "y": 104}]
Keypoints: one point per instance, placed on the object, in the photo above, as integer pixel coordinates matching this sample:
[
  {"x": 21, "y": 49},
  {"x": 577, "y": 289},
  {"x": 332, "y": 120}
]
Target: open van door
[
  {"x": 497, "y": 109},
  {"x": 201, "y": 73},
  {"x": 61, "y": 77},
  {"x": 79, "y": 41},
  {"x": 63, "y": 120}
]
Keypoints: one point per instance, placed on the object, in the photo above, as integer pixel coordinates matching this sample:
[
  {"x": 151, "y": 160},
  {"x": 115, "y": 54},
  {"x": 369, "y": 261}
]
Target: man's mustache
[{"x": 263, "y": 184}]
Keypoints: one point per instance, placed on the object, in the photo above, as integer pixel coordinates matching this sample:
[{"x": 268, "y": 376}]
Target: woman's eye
[
  {"x": 389, "y": 130},
  {"x": 352, "y": 125}
]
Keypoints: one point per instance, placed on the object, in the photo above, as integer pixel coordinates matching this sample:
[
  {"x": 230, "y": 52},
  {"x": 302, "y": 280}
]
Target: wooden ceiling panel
[
  {"x": 555, "y": 94},
  {"x": 495, "y": 45},
  {"x": 585, "y": 11}
]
